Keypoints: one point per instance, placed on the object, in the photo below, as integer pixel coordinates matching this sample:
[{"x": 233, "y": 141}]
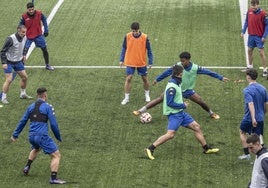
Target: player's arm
[
  {"x": 245, "y": 26},
  {"x": 208, "y": 72},
  {"x": 170, "y": 95},
  {"x": 149, "y": 52},
  {"x": 163, "y": 75},
  {"x": 266, "y": 27},
  {"x": 44, "y": 21},
  {"x": 20, "y": 125},
  {"x": 22, "y": 21},
  {"x": 53, "y": 123},
  {"x": 123, "y": 52},
  {"x": 264, "y": 164},
  {"x": 8, "y": 43}
]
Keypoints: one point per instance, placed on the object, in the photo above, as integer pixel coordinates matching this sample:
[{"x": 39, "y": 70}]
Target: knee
[{"x": 128, "y": 79}]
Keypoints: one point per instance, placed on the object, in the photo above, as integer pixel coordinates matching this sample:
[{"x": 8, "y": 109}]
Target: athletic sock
[
  {"x": 53, "y": 175},
  {"x": 29, "y": 162},
  {"x": 206, "y": 147},
  {"x": 143, "y": 109},
  {"x": 151, "y": 147}
]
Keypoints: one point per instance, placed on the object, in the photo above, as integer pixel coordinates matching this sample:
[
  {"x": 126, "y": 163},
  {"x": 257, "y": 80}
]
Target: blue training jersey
[
  {"x": 257, "y": 94},
  {"x": 39, "y": 128},
  {"x": 200, "y": 70}
]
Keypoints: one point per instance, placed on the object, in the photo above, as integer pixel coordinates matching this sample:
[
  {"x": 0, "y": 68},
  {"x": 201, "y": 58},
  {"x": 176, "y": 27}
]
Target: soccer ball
[{"x": 145, "y": 117}]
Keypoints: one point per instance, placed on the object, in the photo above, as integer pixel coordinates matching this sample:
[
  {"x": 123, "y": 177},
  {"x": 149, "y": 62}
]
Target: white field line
[
  {"x": 49, "y": 19},
  {"x": 118, "y": 67}
]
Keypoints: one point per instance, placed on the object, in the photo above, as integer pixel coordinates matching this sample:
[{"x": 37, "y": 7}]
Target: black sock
[
  {"x": 246, "y": 151},
  {"x": 53, "y": 175},
  {"x": 151, "y": 147},
  {"x": 206, "y": 147},
  {"x": 29, "y": 162}
]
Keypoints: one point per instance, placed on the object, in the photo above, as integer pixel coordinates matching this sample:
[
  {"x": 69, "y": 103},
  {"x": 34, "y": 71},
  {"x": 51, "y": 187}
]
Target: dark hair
[
  {"x": 253, "y": 138},
  {"x": 176, "y": 70},
  {"x": 185, "y": 55},
  {"x": 41, "y": 90},
  {"x": 20, "y": 27},
  {"x": 254, "y": 2},
  {"x": 135, "y": 26},
  {"x": 30, "y": 5},
  {"x": 252, "y": 73}
]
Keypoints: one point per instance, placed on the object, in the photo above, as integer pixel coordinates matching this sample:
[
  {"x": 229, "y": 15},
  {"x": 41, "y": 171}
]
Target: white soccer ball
[{"x": 145, "y": 117}]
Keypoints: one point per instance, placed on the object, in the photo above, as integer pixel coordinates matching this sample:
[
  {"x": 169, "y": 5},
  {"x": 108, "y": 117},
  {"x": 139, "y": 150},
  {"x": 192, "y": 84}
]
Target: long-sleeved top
[
  {"x": 187, "y": 72},
  {"x": 256, "y": 22},
  {"x": 12, "y": 49},
  {"x": 33, "y": 24},
  {"x": 39, "y": 127},
  {"x": 259, "y": 177},
  {"x": 134, "y": 44}
]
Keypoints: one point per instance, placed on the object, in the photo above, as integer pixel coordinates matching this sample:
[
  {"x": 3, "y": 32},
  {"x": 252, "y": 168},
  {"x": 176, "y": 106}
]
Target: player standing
[
  {"x": 133, "y": 56},
  {"x": 257, "y": 24}
]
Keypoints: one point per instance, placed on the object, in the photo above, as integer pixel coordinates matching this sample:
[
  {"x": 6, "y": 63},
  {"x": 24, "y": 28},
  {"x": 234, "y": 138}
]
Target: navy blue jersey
[{"x": 41, "y": 127}]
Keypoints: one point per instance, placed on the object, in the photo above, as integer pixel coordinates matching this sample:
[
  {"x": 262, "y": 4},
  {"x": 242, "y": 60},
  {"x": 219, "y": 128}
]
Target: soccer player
[
  {"x": 12, "y": 59},
  {"x": 259, "y": 176},
  {"x": 32, "y": 20},
  {"x": 257, "y": 24},
  {"x": 255, "y": 107},
  {"x": 39, "y": 113},
  {"x": 133, "y": 56},
  {"x": 173, "y": 108},
  {"x": 190, "y": 73}
]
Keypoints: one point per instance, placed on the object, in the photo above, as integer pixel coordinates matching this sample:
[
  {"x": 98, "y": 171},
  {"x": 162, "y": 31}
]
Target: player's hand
[
  {"x": 149, "y": 67},
  {"x": 13, "y": 139},
  {"x": 186, "y": 103},
  {"x": 121, "y": 63},
  {"x": 24, "y": 59},
  {"x": 263, "y": 39},
  {"x": 242, "y": 35},
  {"x": 254, "y": 123},
  {"x": 45, "y": 34},
  {"x": 154, "y": 82},
  {"x": 4, "y": 66},
  {"x": 224, "y": 79}
]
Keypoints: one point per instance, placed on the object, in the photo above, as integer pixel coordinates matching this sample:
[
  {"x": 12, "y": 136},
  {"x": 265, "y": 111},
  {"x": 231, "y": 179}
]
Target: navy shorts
[
  {"x": 142, "y": 71},
  {"x": 16, "y": 66},
  {"x": 246, "y": 126},
  {"x": 188, "y": 93},
  {"x": 179, "y": 119},
  {"x": 44, "y": 142},
  {"x": 255, "y": 41},
  {"x": 39, "y": 41}
]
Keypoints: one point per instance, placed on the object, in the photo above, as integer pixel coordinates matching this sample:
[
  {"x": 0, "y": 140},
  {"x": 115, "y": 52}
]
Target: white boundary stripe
[
  {"x": 243, "y": 4},
  {"x": 118, "y": 67},
  {"x": 49, "y": 19}
]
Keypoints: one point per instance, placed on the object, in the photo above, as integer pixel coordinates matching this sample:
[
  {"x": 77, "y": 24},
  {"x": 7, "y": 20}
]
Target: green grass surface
[{"x": 102, "y": 141}]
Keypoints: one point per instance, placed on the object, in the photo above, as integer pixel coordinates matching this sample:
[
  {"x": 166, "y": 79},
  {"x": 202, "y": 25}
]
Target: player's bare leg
[
  {"x": 149, "y": 105},
  {"x": 198, "y": 100}
]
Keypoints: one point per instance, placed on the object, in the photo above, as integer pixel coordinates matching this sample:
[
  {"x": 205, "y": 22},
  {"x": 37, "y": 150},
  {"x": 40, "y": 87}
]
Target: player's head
[
  {"x": 135, "y": 27},
  {"x": 254, "y": 5},
  {"x": 177, "y": 71},
  {"x": 252, "y": 74},
  {"x": 185, "y": 58},
  {"x": 42, "y": 93},
  {"x": 253, "y": 143},
  {"x": 30, "y": 8},
  {"x": 21, "y": 29}
]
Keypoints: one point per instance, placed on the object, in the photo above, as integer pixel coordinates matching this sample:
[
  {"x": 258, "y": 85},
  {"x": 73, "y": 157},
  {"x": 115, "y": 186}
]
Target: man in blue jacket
[{"x": 39, "y": 113}]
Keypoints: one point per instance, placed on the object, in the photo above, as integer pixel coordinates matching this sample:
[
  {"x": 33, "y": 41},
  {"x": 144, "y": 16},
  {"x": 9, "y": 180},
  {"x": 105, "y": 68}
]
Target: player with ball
[{"x": 173, "y": 108}]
